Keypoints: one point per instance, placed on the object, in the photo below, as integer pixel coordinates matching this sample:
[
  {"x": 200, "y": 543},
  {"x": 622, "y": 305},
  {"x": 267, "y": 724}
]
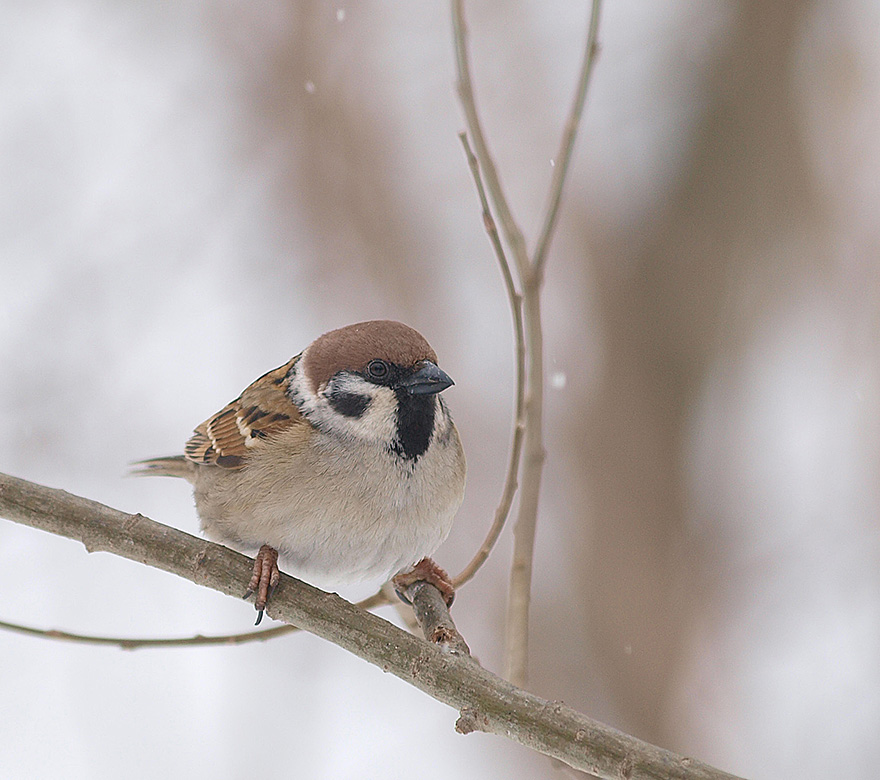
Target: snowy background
[{"x": 192, "y": 192}]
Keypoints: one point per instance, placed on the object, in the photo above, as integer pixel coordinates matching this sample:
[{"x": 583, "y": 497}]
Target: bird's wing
[{"x": 240, "y": 428}]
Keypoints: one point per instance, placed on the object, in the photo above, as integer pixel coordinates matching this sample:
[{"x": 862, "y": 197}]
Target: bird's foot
[
  {"x": 425, "y": 571},
  {"x": 265, "y": 578}
]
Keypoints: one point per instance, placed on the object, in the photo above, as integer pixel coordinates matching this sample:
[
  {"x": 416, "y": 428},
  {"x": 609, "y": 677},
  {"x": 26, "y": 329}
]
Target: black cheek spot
[{"x": 349, "y": 404}]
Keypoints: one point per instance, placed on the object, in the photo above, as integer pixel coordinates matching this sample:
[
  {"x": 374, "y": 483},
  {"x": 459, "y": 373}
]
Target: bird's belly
[
  {"x": 344, "y": 541},
  {"x": 341, "y": 527}
]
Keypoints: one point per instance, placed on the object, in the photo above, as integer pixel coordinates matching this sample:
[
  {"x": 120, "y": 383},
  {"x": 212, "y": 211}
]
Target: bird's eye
[{"x": 377, "y": 369}]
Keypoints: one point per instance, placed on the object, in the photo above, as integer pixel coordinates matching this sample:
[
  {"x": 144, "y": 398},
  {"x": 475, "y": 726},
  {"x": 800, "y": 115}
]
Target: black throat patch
[{"x": 415, "y": 424}]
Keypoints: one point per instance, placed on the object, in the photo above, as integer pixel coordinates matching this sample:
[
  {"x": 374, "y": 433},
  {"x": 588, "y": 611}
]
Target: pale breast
[{"x": 336, "y": 513}]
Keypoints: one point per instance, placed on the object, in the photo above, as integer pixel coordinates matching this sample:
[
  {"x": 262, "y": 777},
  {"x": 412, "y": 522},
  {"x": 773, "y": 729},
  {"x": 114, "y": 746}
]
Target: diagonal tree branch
[{"x": 487, "y": 703}]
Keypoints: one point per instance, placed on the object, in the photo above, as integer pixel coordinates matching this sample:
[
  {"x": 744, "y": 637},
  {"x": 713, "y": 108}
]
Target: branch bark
[
  {"x": 433, "y": 616},
  {"x": 487, "y": 703}
]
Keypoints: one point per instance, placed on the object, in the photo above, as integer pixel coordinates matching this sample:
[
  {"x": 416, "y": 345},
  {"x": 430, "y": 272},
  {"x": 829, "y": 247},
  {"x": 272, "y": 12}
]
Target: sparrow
[{"x": 345, "y": 462}]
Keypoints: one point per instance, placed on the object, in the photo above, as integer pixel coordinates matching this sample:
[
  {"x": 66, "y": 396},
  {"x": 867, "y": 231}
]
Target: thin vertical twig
[
  {"x": 512, "y": 234},
  {"x": 525, "y": 526},
  {"x": 566, "y": 146},
  {"x": 524, "y": 529},
  {"x": 531, "y": 273},
  {"x": 515, "y": 301}
]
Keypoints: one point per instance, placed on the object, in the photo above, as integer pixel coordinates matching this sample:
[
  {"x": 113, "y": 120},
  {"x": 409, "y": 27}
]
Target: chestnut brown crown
[{"x": 351, "y": 348}]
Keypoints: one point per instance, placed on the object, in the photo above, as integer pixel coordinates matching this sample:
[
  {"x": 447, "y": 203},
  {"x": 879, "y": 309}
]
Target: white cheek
[{"x": 379, "y": 421}]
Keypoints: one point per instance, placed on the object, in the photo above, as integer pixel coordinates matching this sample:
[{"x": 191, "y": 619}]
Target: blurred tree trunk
[
  {"x": 336, "y": 160},
  {"x": 666, "y": 309}
]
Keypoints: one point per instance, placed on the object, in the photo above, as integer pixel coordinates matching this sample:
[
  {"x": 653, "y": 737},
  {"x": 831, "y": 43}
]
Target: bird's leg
[
  {"x": 425, "y": 571},
  {"x": 265, "y": 578}
]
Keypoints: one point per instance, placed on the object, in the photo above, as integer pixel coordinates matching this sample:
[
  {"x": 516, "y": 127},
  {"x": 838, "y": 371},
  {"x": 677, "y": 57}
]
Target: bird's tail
[{"x": 173, "y": 466}]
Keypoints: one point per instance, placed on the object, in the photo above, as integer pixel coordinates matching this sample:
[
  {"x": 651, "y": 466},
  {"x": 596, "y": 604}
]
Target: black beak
[{"x": 429, "y": 379}]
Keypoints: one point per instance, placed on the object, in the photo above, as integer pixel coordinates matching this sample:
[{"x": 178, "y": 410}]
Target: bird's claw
[
  {"x": 265, "y": 579},
  {"x": 425, "y": 571}
]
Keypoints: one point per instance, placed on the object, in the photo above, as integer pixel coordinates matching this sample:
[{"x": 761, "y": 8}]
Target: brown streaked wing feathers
[{"x": 262, "y": 410}]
